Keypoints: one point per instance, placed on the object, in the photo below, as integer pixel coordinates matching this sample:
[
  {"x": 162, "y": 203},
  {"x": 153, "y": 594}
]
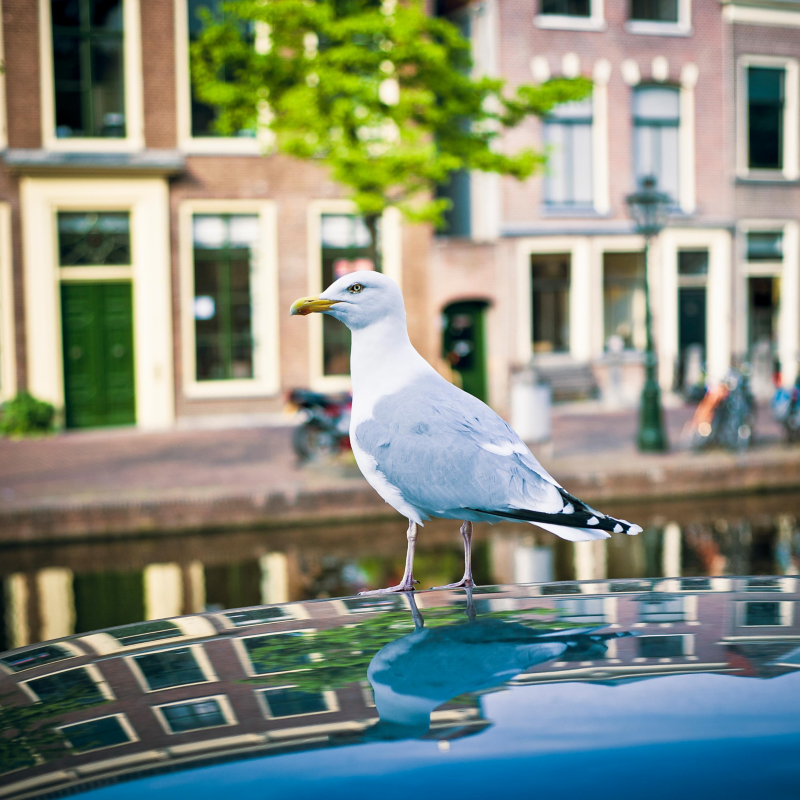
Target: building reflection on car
[{"x": 172, "y": 694}]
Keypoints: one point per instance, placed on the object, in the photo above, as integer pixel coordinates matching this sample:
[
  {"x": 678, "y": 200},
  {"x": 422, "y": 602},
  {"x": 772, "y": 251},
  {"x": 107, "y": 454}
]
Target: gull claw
[
  {"x": 464, "y": 583},
  {"x": 399, "y": 589}
]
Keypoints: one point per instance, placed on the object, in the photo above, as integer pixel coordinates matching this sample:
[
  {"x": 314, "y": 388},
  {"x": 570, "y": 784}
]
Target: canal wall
[{"x": 338, "y": 493}]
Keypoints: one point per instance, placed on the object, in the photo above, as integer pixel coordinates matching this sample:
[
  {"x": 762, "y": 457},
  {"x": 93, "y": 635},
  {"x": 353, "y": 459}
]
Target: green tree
[{"x": 379, "y": 92}]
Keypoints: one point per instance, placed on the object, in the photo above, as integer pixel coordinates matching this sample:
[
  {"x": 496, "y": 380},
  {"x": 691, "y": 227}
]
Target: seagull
[{"x": 430, "y": 449}]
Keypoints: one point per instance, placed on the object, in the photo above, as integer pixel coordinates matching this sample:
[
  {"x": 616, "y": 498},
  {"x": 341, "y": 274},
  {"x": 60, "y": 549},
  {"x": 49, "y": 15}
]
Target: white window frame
[
  {"x": 264, "y": 296},
  {"x": 581, "y": 291},
  {"x": 188, "y": 628},
  {"x": 596, "y": 20},
  {"x": 791, "y": 118},
  {"x": 147, "y": 200},
  {"x": 571, "y": 208},
  {"x": 592, "y": 289},
  {"x": 124, "y": 724},
  {"x": 224, "y": 706},
  {"x": 291, "y": 611},
  {"x": 134, "y": 90},
  {"x": 92, "y": 669},
  {"x": 733, "y": 12},
  {"x": 719, "y": 346},
  {"x": 391, "y": 256},
  {"x": 210, "y": 145},
  {"x": 200, "y": 657},
  {"x": 8, "y": 358},
  {"x": 685, "y": 199},
  {"x": 786, "y": 613},
  {"x": 683, "y": 27},
  {"x": 68, "y": 646},
  {"x": 329, "y": 697},
  {"x": 788, "y": 270},
  {"x": 244, "y": 656},
  {"x": 687, "y": 646}
]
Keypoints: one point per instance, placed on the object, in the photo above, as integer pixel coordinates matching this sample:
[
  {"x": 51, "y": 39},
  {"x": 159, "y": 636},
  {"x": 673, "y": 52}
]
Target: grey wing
[{"x": 446, "y": 451}]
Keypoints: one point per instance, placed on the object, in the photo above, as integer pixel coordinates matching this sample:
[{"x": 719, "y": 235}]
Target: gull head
[{"x": 359, "y": 300}]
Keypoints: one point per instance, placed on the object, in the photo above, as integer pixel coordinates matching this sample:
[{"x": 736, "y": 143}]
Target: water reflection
[{"x": 61, "y": 589}]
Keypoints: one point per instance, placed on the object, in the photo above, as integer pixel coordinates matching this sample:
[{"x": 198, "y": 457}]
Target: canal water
[{"x": 56, "y": 590}]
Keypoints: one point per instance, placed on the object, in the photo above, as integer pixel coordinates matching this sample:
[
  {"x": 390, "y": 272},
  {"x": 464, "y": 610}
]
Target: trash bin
[{"x": 531, "y": 403}]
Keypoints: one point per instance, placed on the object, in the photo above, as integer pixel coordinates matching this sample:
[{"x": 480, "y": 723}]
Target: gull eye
[{"x": 356, "y": 288}]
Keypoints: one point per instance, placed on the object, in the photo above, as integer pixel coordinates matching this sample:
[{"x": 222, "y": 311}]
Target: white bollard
[{"x": 530, "y": 408}]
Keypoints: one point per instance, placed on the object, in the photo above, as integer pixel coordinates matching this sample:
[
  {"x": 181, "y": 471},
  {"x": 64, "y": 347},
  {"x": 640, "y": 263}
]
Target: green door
[
  {"x": 465, "y": 345},
  {"x": 97, "y": 321}
]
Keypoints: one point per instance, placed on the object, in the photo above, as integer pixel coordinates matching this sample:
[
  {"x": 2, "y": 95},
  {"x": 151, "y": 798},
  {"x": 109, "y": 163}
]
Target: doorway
[
  {"x": 763, "y": 304},
  {"x": 464, "y": 345},
  {"x": 97, "y": 336},
  {"x": 691, "y": 326},
  {"x": 550, "y": 276}
]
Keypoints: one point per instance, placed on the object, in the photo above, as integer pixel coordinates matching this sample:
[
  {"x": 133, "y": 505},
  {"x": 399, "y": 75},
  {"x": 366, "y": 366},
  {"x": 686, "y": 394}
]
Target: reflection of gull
[
  {"x": 429, "y": 449},
  {"x": 417, "y": 673}
]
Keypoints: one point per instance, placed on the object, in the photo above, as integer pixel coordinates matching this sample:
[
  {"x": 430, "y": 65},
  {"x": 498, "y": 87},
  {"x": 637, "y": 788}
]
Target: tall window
[
  {"x": 623, "y": 300},
  {"x": 692, "y": 280},
  {"x": 654, "y": 10},
  {"x": 89, "y": 238},
  {"x": 346, "y": 247},
  {"x": 204, "y": 116},
  {"x": 656, "y": 118},
  {"x": 765, "y": 246},
  {"x": 764, "y": 249},
  {"x": 289, "y": 701},
  {"x": 170, "y": 668},
  {"x": 567, "y": 8},
  {"x": 194, "y": 715},
  {"x": 72, "y": 685},
  {"x": 96, "y": 733},
  {"x": 765, "y": 109},
  {"x": 568, "y": 135},
  {"x": 550, "y": 303},
  {"x": 88, "y": 68},
  {"x": 225, "y": 248}
]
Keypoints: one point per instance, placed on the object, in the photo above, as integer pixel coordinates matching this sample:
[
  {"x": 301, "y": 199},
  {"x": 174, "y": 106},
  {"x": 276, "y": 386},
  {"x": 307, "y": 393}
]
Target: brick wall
[
  {"x": 158, "y": 57},
  {"x": 521, "y": 40}
]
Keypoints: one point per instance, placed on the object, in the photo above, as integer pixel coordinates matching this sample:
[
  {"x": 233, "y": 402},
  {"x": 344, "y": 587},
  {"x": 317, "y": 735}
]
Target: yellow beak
[{"x": 308, "y": 305}]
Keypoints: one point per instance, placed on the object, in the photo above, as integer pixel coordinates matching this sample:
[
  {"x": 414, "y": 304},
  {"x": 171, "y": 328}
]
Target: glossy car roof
[{"x": 631, "y": 688}]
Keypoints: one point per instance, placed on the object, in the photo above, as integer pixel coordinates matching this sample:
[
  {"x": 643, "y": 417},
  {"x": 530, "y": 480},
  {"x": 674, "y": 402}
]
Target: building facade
[
  {"x": 146, "y": 263},
  {"x": 700, "y": 95}
]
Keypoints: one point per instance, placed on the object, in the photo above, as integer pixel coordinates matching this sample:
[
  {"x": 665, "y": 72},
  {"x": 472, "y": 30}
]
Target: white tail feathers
[{"x": 574, "y": 534}]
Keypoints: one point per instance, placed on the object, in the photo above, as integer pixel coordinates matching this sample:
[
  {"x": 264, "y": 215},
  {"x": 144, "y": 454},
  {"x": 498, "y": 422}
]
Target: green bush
[{"x": 26, "y": 416}]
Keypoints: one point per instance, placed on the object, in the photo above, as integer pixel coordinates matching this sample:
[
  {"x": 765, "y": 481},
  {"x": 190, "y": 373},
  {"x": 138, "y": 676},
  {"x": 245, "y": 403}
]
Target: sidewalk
[{"x": 122, "y": 482}]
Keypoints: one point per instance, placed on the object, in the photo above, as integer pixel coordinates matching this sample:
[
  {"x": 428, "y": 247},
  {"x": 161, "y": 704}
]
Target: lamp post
[{"x": 648, "y": 209}]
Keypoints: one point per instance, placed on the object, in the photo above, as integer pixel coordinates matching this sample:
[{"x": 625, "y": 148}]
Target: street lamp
[{"x": 649, "y": 209}]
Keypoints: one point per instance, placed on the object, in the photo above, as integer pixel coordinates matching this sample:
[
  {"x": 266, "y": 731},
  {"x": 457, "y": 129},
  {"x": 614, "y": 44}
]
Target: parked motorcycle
[
  {"x": 786, "y": 410},
  {"x": 326, "y": 425},
  {"x": 726, "y": 415}
]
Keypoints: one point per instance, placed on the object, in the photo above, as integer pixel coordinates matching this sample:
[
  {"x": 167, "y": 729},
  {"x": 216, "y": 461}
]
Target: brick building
[
  {"x": 700, "y": 95},
  {"x": 146, "y": 264}
]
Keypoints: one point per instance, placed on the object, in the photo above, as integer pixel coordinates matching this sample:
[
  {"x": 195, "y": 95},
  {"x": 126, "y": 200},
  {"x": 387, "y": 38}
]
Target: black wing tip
[{"x": 590, "y": 519}]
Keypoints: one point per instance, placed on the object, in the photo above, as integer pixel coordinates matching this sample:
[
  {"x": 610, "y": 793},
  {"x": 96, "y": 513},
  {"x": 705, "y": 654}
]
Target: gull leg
[
  {"x": 419, "y": 622},
  {"x": 407, "y": 584},
  {"x": 466, "y": 581}
]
